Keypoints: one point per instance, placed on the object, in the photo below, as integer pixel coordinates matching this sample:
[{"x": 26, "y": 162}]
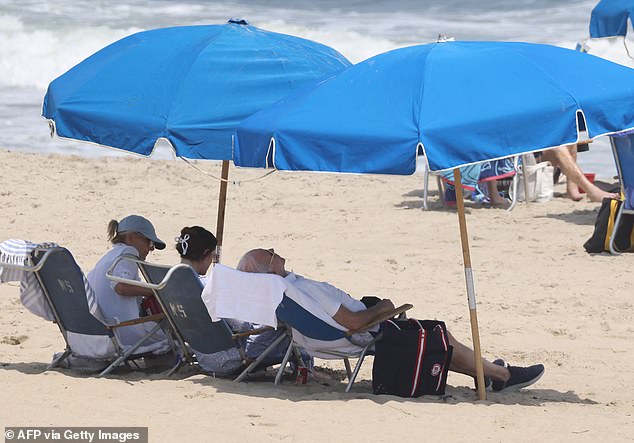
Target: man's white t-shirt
[{"x": 330, "y": 299}]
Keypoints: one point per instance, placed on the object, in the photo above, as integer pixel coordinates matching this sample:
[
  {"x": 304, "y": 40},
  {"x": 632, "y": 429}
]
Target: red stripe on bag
[{"x": 419, "y": 358}]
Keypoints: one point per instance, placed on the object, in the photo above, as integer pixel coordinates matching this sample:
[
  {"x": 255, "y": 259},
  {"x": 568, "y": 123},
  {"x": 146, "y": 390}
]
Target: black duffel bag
[
  {"x": 412, "y": 358},
  {"x": 604, "y": 225}
]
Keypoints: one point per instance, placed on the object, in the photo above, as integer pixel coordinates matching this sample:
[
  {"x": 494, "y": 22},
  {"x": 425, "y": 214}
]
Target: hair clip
[{"x": 183, "y": 242}]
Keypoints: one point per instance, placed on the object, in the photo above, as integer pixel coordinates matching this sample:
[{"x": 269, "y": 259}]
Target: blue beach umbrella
[
  {"x": 189, "y": 85},
  {"x": 609, "y": 18},
  {"x": 461, "y": 102}
]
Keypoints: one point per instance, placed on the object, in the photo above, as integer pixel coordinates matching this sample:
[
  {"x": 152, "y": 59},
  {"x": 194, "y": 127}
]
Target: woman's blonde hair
[{"x": 113, "y": 234}]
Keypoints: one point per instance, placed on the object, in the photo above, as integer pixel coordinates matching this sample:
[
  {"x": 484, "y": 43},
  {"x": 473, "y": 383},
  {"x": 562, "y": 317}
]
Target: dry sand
[{"x": 541, "y": 298}]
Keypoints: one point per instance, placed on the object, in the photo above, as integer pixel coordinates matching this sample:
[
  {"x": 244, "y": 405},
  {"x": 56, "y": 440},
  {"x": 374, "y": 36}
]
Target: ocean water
[{"x": 40, "y": 40}]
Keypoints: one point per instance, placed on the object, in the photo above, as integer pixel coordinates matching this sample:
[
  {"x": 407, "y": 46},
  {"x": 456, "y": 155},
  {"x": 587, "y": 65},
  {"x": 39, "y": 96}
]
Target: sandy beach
[{"x": 541, "y": 298}]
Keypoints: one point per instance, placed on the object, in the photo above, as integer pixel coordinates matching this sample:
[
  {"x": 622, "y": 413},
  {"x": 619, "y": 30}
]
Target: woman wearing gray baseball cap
[{"x": 133, "y": 235}]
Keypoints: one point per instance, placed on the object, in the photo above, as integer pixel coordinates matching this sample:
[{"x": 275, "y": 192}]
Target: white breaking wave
[
  {"x": 35, "y": 52},
  {"x": 33, "y": 58},
  {"x": 41, "y": 39}
]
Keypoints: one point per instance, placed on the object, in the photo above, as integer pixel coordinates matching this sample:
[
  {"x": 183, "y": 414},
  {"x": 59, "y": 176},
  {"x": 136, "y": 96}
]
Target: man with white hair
[{"x": 352, "y": 314}]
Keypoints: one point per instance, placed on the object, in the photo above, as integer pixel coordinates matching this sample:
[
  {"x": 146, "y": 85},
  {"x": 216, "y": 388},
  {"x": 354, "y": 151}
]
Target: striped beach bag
[{"x": 411, "y": 358}]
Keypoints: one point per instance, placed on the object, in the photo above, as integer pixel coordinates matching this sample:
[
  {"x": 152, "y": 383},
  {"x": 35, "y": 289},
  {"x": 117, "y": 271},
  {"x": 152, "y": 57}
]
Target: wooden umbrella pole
[
  {"x": 222, "y": 202},
  {"x": 471, "y": 297}
]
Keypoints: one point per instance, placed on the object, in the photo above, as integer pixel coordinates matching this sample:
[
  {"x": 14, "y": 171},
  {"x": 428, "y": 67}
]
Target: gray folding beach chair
[
  {"x": 623, "y": 150},
  {"x": 65, "y": 288},
  {"x": 178, "y": 290}
]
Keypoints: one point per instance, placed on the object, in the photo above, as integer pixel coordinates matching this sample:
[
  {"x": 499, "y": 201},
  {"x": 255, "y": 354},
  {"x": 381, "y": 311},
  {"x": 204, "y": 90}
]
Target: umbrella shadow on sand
[
  {"x": 330, "y": 386},
  {"x": 156, "y": 370},
  {"x": 414, "y": 200},
  {"x": 584, "y": 217}
]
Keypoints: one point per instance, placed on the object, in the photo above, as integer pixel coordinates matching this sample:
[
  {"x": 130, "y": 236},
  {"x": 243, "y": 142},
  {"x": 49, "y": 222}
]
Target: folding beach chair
[
  {"x": 623, "y": 150},
  {"x": 74, "y": 306},
  {"x": 178, "y": 291},
  {"x": 304, "y": 323},
  {"x": 440, "y": 181},
  {"x": 230, "y": 290}
]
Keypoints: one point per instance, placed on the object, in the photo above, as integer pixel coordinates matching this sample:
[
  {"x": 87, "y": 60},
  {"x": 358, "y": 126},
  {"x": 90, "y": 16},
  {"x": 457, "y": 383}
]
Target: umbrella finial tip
[
  {"x": 442, "y": 38},
  {"x": 239, "y": 21}
]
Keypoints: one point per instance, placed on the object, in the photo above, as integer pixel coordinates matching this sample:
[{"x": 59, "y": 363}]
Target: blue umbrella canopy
[
  {"x": 191, "y": 85},
  {"x": 609, "y": 18},
  {"x": 462, "y": 102}
]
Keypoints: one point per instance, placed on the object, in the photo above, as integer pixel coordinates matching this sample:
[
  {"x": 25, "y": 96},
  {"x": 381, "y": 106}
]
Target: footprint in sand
[
  {"x": 13, "y": 340},
  {"x": 558, "y": 332}
]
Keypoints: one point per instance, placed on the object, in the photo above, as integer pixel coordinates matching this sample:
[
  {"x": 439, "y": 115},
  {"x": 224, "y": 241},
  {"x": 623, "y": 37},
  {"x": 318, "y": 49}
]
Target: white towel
[
  {"x": 243, "y": 296},
  {"x": 18, "y": 252}
]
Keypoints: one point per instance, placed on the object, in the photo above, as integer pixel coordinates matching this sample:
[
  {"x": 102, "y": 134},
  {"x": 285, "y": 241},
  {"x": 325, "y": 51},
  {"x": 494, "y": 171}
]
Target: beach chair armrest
[
  {"x": 136, "y": 321},
  {"x": 138, "y": 283},
  {"x": 382, "y": 318},
  {"x": 27, "y": 268},
  {"x": 236, "y": 335}
]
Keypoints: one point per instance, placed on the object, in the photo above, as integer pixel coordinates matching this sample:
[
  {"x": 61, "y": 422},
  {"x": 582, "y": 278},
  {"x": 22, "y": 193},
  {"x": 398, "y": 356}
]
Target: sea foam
[
  {"x": 40, "y": 40},
  {"x": 32, "y": 58}
]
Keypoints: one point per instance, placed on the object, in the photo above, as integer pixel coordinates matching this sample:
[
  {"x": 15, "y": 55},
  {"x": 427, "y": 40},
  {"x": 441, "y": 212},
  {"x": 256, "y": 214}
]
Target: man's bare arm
[
  {"x": 354, "y": 320},
  {"x": 127, "y": 290}
]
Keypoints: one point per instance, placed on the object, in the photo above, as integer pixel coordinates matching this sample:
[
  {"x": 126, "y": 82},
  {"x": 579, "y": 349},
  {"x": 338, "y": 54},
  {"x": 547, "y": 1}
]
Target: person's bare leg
[
  {"x": 494, "y": 195},
  {"x": 563, "y": 158},
  {"x": 572, "y": 186},
  {"x": 462, "y": 360}
]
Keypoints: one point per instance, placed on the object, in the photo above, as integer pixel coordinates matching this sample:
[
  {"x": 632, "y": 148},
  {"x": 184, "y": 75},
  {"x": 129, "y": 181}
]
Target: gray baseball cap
[{"x": 140, "y": 225}]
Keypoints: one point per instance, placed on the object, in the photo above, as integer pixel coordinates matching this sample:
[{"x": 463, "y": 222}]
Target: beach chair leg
[
  {"x": 260, "y": 358},
  {"x": 298, "y": 357},
  {"x": 617, "y": 221},
  {"x": 346, "y": 362},
  {"x": 124, "y": 357},
  {"x": 179, "y": 363},
  {"x": 132, "y": 364},
  {"x": 356, "y": 369},
  {"x": 170, "y": 341},
  {"x": 183, "y": 356},
  {"x": 441, "y": 191},
  {"x": 514, "y": 183},
  {"x": 59, "y": 359},
  {"x": 113, "y": 365},
  {"x": 278, "y": 376}
]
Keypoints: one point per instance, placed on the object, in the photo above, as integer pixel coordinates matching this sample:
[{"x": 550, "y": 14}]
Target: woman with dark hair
[{"x": 197, "y": 246}]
